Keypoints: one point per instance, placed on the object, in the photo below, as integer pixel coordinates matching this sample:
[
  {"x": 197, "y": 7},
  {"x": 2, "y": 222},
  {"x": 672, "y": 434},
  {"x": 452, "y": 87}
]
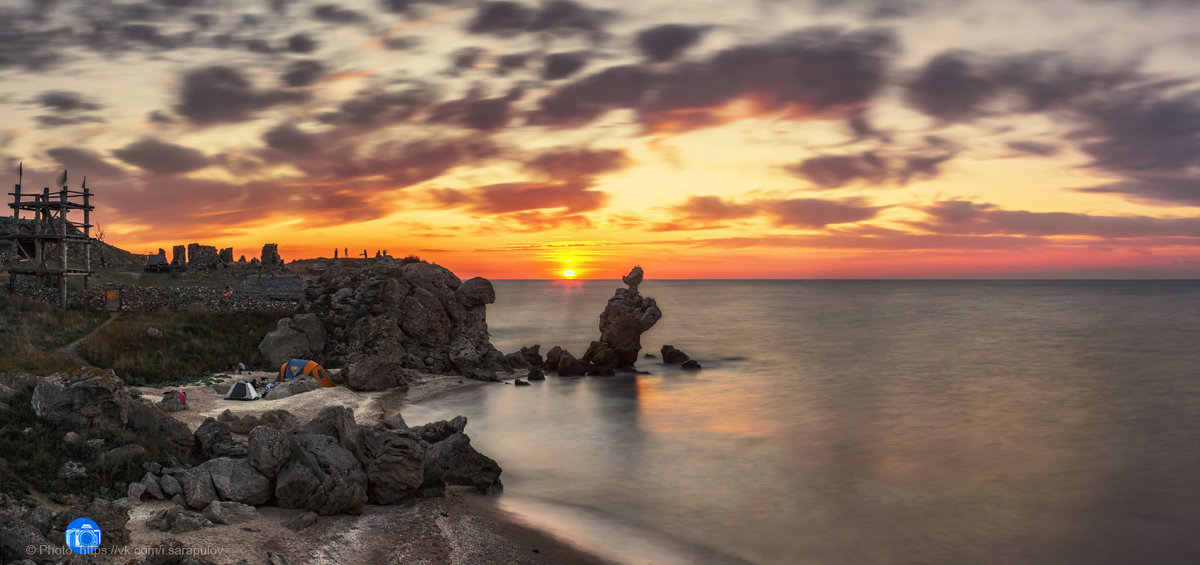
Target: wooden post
[
  {"x": 87, "y": 233},
  {"x": 17, "y": 202},
  {"x": 62, "y": 246}
]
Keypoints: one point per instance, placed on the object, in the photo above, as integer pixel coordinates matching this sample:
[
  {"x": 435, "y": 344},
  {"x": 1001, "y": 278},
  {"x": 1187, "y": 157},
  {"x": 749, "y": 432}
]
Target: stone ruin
[
  {"x": 179, "y": 258},
  {"x": 270, "y": 255},
  {"x": 203, "y": 257},
  {"x": 226, "y": 255}
]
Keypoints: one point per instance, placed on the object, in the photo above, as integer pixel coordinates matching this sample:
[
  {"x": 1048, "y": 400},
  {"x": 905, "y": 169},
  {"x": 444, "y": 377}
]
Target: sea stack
[{"x": 627, "y": 316}]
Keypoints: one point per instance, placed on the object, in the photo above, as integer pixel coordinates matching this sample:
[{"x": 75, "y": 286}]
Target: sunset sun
[{"x": 569, "y": 274}]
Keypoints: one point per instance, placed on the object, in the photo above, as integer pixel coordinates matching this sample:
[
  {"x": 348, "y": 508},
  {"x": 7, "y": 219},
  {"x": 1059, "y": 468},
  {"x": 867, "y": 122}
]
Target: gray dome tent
[{"x": 242, "y": 390}]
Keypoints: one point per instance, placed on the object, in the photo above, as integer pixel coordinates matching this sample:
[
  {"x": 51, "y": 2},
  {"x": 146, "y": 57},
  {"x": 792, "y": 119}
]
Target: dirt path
[{"x": 72, "y": 349}]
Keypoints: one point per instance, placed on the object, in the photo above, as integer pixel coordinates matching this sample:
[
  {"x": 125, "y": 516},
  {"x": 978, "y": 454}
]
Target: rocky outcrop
[
  {"x": 453, "y": 461},
  {"x": 172, "y": 437},
  {"x": 269, "y": 450},
  {"x": 532, "y": 356},
  {"x": 569, "y": 366},
  {"x": 236, "y": 480},
  {"x": 277, "y": 419},
  {"x": 220, "y": 512},
  {"x": 393, "y": 460},
  {"x": 274, "y": 287},
  {"x": 88, "y": 398},
  {"x": 388, "y": 315},
  {"x": 298, "y": 337},
  {"x": 626, "y": 317}
]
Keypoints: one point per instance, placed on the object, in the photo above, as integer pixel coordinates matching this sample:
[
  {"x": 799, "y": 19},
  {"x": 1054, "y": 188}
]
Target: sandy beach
[{"x": 459, "y": 529}]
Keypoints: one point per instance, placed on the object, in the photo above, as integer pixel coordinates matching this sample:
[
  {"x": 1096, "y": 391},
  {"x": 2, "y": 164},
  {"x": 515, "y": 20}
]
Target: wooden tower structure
[{"x": 49, "y": 244}]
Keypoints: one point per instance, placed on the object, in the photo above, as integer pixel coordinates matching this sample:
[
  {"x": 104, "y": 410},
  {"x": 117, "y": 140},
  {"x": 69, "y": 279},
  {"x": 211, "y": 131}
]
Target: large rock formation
[
  {"x": 298, "y": 337},
  {"x": 87, "y": 398},
  {"x": 389, "y": 316},
  {"x": 626, "y": 317}
]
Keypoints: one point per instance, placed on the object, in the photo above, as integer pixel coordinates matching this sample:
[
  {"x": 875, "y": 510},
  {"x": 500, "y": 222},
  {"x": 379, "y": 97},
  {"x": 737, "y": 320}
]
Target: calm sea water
[{"x": 848, "y": 422}]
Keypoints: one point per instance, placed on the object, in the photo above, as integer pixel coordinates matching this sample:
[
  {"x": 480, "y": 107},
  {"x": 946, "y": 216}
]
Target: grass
[
  {"x": 194, "y": 344},
  {"x": 32, "y": 332}
]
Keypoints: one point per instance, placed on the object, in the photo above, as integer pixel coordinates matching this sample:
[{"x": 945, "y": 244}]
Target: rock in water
[
  {"x": 627, "y": 316},
  {"x": 671, "y": 356}
]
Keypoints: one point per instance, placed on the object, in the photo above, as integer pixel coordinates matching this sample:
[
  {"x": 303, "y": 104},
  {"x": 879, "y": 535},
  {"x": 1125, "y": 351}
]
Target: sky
[{"x": 699, "y": 139}]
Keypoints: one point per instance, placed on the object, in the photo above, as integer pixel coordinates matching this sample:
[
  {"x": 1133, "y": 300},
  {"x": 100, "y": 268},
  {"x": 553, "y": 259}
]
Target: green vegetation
[
  {"x": 34, "y": 451},
  {"x": 194, "y": 344},
  {"x": 32, "y": 332}
]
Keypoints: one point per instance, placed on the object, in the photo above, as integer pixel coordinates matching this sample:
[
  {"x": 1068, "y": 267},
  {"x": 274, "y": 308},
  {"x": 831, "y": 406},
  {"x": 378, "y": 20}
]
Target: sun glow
[{"x": 569, "y": 274}]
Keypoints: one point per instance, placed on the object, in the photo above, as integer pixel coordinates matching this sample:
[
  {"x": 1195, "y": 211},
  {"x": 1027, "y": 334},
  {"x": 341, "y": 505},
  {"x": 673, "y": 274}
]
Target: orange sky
[{"x": 510, "y": 140}]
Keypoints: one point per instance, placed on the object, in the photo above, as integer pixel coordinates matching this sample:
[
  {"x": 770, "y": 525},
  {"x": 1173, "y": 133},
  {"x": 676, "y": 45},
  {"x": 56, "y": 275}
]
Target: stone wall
[{"x": 150, "y": 299}]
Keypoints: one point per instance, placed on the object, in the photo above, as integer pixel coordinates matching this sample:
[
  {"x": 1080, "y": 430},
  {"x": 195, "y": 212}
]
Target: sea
[{"x": 858, "y": 422}]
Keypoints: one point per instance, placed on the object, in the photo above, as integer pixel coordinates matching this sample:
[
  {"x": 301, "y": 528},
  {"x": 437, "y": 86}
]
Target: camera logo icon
[{"x": 83, "y": 536}]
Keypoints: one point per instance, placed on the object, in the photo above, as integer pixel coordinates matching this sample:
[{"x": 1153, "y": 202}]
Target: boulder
[
  {"x": 284, "y": 343},
  {"x": 16, "y": 535},
  {"x": 278, "y": 419},
  {"x": 536, "y": 374},
  {"x": 198, "y": 490},
  {"x": 626, "y": 317},
  {"x": 171, "y": 437},
  {"x": 214, "y": 439},
  {"x": 672, "y": 356},
  {"x": 691, "y": 365},
  {"x": 532, "y": 356},
  {"x": 162, "y": 520},
  {"x": 393, "y": 461},
  {"x": 569, "y": 366},
  {"x": 135, "y": 491},
  {"x": 187, "y": 521},
  {"x": 125, "y": 456},
  {"x": 154, "y": 333},
  {"x": 170, "y": 486},
  {"x": 269, "y": 450},
  {"x": 602, "y": 357},
  {"x": 553, "y": 357},
  {"x": 152, "y": 485},
  {"x": 87, "y": 398},
  {"x": 516, "y": 361},
  {"x": 338, "y": 423},
  {"x": 434, "y": 432},
  {"x": 170, "y": 402},
  {"x": 236, "y": 480},
  {"x": 453, "y": 461},
  {"x": 475, "y": 292},
  {"x": 321, "y": 476},
  {"x": 634, "y": 278},
  {"x": 313, "y": 330},
  {"x": 519, "y": 382},
  {"x": 298, "y": 385},
  {"x": 72, "y": 471},
  {"x": 223, "y": 512}
]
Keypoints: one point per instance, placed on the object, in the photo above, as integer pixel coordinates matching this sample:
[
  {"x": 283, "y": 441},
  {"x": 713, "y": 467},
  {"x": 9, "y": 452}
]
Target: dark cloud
[
  {"x": 571, "y": 197},
  {"x": 586, "y": 99},
  {"x": 159, "y": 117},
  {"x": 565, "y": 16},
  {"x": 466, "y": 57},
  {"x": 258, "y": 46},
  {"x": 890, "y": 165},
  {"x": 64, "y": 101},
  {"x": 85, "y": 162},
  {"x": 405, "y": 6},
  {"x": 665, "y": 42},
  {"x": 557, "y": 16},
  {"x": 797, "y": 76},
  {"x": 477, "y": 113},
  {"x": 30, "y": 49},
  {"x": 565, "y": 163},
  {"x": 962, "y": 217},
  {"x": 220, "y": 94},
  {"x": 950, "y": 88},
  {"x": 563, "y": 65},
  {"x": 161, "y": 157},
  {"x": 149, "y": 35},
  {"x": 400, "y": 43},
  {"x": 512, "y": 60},
  {"x": 504, "y": 18},
  {"x": 303, "y": 73},
  {"x": 960, "y": 86},
  {"x": 1155, "y": 190},
  {"x": 56, "y": 121},
  {"x": 835, "y": 171},
  {"x": 378, "y": 108},
  {"x": 301, "y": 43},
  {"x": 1034, "y": 147},
  {"x": 288, "y": 138},
  {"x": 709, "y": 212},
  {"x": 334, "y": 14},
  {"x": 815, "y": 213}
]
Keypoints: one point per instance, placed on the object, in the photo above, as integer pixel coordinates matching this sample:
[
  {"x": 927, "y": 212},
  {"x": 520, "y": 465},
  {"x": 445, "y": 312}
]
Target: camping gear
[
  {"x": 242, "y": 390},
  {"x": 297, "y": 367}
]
